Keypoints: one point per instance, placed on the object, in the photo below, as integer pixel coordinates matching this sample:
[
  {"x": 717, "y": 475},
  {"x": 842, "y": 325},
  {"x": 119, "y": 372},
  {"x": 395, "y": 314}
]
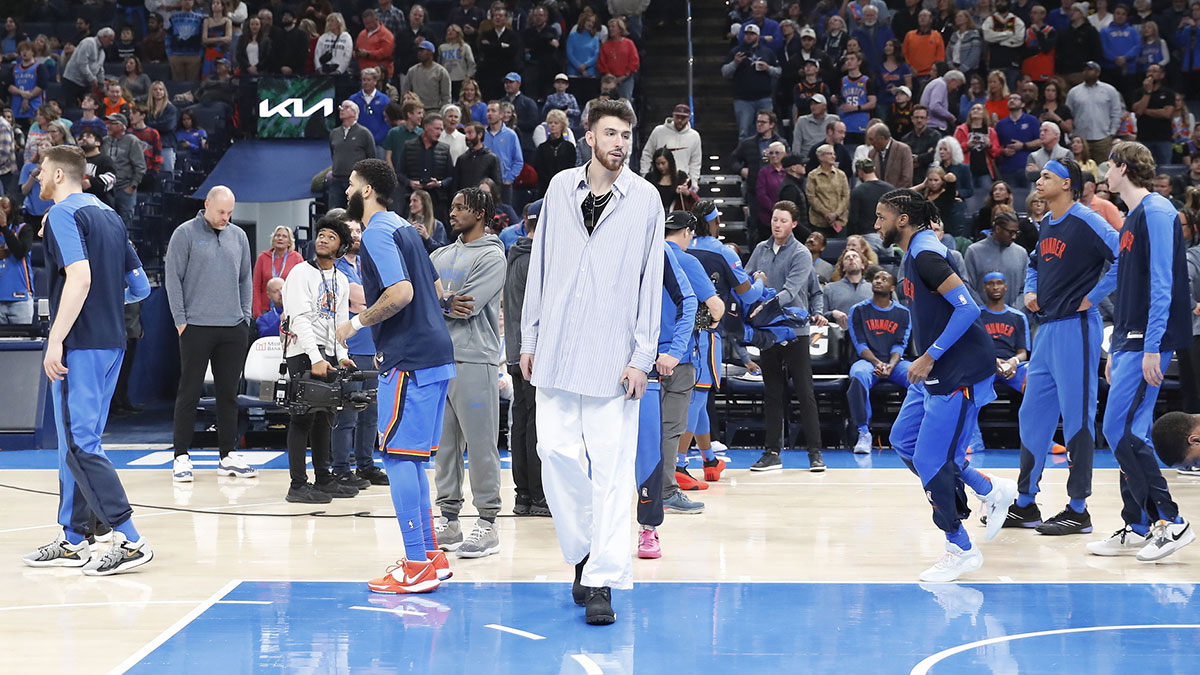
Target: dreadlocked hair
[
  {"x": 920, "y": 211},
  {"x": 479, "y": 201}
]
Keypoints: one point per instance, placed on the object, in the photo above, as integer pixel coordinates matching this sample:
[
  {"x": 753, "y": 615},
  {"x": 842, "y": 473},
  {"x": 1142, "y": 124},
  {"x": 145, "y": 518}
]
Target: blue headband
[
  {"x": 712, "y": 215},
  {"x": 994, "y": 276},
  {"x": 1056, "y": 168}
]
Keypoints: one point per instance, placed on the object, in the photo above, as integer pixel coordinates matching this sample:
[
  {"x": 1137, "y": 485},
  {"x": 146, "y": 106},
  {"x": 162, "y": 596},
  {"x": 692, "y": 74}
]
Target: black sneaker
[
  {"x": 337, "y": 490},
  {"x": 307, "y": 494},
  {"x": 815, "y": 463},
  {"x": 352, "y": 480},
  {"x": 521, "y": 509},
  {"x": 1067, "y": 522},
  {"x": 373, "y": 474},
  {"x": 578, "y": 590},
  {"x": 768, "y": 462},
  {"x": 539, "y": 508},
  {"x": 1027, "y": 517},
  {"x": 599, "y": 607}
]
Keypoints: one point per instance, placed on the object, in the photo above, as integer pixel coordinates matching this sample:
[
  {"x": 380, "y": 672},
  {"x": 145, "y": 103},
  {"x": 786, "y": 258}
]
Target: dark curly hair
[
  {"x": 920, "y": 211},
  {"x": 479, "y": 201}
]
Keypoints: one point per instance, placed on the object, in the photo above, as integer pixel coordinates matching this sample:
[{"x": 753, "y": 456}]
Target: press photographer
[{"x": 316, "y": 298}]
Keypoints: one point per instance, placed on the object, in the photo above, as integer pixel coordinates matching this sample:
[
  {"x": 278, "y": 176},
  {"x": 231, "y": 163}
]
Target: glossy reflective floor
[{"x": 784, "y": 572}]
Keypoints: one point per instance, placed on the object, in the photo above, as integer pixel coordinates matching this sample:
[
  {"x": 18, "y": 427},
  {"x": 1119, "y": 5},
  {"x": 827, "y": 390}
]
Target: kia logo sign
[{"x": 294, "y": 107}]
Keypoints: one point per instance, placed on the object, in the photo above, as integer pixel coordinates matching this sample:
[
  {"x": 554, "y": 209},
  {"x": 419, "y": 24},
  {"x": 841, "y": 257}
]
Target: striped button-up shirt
[{"x": 592, "y": 303}]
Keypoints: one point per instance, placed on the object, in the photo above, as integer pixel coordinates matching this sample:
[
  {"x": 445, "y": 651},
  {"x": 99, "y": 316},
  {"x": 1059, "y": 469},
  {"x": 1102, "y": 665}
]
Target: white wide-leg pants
[{"x": 588, "y": 446}]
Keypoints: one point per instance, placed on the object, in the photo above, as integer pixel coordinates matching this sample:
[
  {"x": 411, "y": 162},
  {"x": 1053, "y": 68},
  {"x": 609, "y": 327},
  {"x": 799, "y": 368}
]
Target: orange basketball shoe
[
  {"x": 414, "y": 577},
  {"x": 440, "y": 563}
]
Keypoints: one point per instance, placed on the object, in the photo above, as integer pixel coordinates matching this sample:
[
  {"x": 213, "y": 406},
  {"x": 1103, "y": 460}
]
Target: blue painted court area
[
  {"x": 693, "y": 628},
  {"x": 735, "y": 459}
]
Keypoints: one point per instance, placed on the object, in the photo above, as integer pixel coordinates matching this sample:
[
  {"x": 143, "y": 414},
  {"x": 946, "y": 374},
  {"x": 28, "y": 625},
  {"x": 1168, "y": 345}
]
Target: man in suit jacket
[{"x": 893, "y": 159}]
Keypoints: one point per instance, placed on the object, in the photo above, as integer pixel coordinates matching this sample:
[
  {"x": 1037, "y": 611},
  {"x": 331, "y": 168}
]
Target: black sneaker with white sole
[
  {"x": 373, "y": 474},
  {"x": 1067, "y": 522},
  {"x": 769, "y": 461},
  {"x": 1027, "y": 517}
]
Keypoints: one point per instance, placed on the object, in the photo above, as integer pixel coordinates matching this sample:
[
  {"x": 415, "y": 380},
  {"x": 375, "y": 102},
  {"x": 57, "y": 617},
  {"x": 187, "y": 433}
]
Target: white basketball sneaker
[
  {"x": 996, "y": 503},
  {"x": 863, "y": 446},
  {"x": 954, "y": 563},
  {"x": 181, "y": 471},
  {"x": 1166, "y": 538},
  {"x": 1122, "y": 542},
  {"x": 234, "y": 464}
]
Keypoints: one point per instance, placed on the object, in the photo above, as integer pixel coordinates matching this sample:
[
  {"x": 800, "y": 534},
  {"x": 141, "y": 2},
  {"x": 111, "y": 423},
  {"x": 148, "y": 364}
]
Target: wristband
[{"x": 356, "y": 324}]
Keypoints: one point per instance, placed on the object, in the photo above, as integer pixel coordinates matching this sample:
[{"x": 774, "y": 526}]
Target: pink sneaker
[{"x": 648, "y": 544}]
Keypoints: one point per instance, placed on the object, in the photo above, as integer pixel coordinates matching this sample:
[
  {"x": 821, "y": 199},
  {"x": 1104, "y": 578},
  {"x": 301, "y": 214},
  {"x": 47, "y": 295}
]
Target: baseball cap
[
  {"x": 119, "y": 118},
  {"x": 426, "y": 44},
  {"x": 682, "y": 109},
  {"x": 906, "y": 90},
  {"x": 562, "y": 76},
  {"x": 514, "y": 77},
  {"x": 752, "y": 28},
  {"x": 1091, "y": 65},
  {"x": 791, "y": 160},
  {"x": 808, "y": 32},
  {"x": 678, "y": 220},
  {"x": 818, "y": 98}
]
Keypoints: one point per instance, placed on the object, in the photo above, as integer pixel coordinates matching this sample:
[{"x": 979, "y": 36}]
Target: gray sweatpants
[
  {"x": 472, "y": 419},
  {"x": 676, "y": 396}
]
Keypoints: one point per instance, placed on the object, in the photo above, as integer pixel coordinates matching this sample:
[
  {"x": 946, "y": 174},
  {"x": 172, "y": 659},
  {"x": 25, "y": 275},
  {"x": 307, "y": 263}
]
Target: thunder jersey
[
  {"x": 1009, "y": 329},
  {"x": 972, "y": 358},
  {"x": 1152, "y": 304},
  {"x": 16, "y": 274},
  {"x": 855, "y": 92},
  {"x": 415, "y": 338},
  {"x": 26, "y": 79},
  {"x": 1069, "y": 261},
  {"x": 883, "y": 331}
]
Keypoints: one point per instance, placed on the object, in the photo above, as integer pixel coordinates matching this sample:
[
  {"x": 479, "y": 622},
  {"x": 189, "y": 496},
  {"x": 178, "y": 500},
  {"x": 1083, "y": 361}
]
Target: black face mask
[{"x": 288, "y": 24}]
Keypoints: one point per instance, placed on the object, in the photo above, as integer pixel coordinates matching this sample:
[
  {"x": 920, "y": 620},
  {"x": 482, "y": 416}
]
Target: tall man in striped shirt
[{"x": 589, "y": 336}]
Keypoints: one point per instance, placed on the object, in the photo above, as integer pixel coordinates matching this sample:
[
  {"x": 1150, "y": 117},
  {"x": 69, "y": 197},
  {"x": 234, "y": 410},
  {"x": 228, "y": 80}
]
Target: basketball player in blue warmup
[
  {"x": 951, "y": 378},
  {"x": 879, "y": 329},
  {"x": 416, "y": 363},
  {"x": 680, "y": 225},
  {"x": 1064, "y": 283},
  {"x": 93, "y": 272},
  {"x": 1009, "y": 329},
  {"x": 1151, "y": 320},
  {"x": 675, "y": 334}
]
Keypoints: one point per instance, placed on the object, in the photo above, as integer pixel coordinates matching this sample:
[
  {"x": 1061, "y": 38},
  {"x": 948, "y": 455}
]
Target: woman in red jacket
[
  {"x": 619, "y": 58},
  {"x": 980, "y": 147},
  {"x": 274, "y": 262}
]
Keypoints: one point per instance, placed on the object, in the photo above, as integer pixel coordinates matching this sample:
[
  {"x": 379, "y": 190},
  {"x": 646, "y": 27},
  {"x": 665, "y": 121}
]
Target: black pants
[
  {"x": 225, "y": 347},
  {"x": 522, "y": 440},
  {"x": 314, "y": 428},
  {"x": 1189, "y": 376},
  {"x": 795, "y": 358},
  {"x": 121, "y": 396}
]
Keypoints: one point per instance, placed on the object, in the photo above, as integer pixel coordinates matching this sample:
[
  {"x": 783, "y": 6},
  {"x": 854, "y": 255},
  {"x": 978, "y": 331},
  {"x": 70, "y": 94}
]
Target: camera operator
[{"x": 316, "y": 298}]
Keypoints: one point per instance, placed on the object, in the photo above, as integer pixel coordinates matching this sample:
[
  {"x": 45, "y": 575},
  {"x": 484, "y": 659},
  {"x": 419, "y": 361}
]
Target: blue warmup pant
[
  {"x": 862, "y": 380},
  {"x": 1017, "y": 384},
  {"x": 1061, "y": 382},
  {"x": 698, "y": 422},
  {"x": 648, "y": 467},
  {"x": 930, "y": 435},
  {"x": 88, "y": 483},
  {"x": 1127, "y": 419}
]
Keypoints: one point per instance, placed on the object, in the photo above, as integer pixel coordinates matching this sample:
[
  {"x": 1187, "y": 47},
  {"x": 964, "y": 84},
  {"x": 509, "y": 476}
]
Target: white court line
[
  {"x": 923, "y": 667},
  {"x": 99, "y": 604},
  {"x": 540, "y": 577},
  {"x": 398, "y": 611},
  {"x": 243, "y": 602},
  {"x": 159, "y": 513},
  {"x": 179, "y": 625},
  {"x": 515, "y": 631},
  {"x": 1007, "y": 580},
  {"x": 843, "y": 582},
  {"x": 589, "y": 666}
]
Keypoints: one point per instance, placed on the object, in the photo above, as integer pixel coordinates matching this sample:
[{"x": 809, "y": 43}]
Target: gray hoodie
[
  {"x": 475, "y": 269},
  {"x": 514, "y": 297},
  {"x": 790, "y": 272}
]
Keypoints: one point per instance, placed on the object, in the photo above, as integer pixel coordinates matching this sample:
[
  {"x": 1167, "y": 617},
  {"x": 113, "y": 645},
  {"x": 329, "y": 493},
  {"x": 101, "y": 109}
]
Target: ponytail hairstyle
[
  {"x": 702, "y": 210},
  {"x": 920, "y": 211}
]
